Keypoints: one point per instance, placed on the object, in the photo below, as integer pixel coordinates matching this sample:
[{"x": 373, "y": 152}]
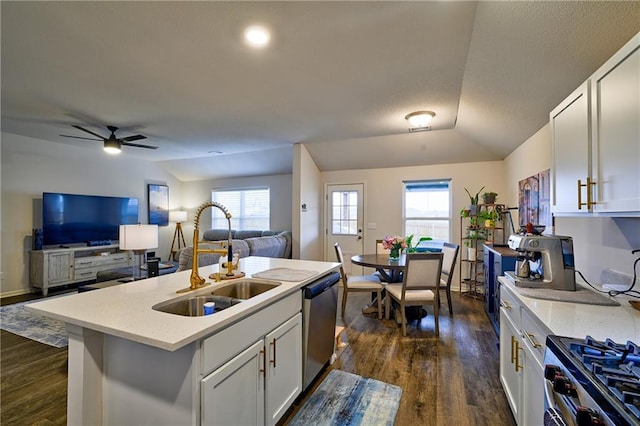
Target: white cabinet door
[
  {"x": 234, "y": 393},
  {"x": 595, "y": 140},
  {"x": 570, "y": 144},
  {"x": 284, "y": 368},
  {"x": 615, "y": 106},
  {"x": 532, "y": 403},
  {"x": 510, "y": 362}
]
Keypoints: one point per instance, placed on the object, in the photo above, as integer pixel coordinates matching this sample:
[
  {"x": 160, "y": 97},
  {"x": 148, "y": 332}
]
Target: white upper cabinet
[
  {"x": 595, "y": 137},
  {"x": 570, "y": 124},
  {"x": 615, "y": 106}
]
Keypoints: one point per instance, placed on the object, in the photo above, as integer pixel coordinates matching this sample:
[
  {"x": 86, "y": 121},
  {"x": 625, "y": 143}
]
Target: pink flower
[{"x": 396, "y": 242}]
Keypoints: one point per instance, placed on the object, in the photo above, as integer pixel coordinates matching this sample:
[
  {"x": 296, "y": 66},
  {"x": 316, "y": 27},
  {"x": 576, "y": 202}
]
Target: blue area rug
[
  {"x": 17, "y": 320},
  {"x": 348, "y": 399}
]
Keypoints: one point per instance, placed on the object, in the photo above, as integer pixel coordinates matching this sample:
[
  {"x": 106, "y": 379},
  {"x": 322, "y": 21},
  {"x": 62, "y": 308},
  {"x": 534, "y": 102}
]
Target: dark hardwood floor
[{"x": 450, "y": 380}]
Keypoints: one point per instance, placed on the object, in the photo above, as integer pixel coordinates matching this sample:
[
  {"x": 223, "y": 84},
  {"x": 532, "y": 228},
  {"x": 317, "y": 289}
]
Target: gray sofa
[{"x": 247, "y": 243}]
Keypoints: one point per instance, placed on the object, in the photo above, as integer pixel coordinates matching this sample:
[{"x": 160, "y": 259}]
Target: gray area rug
[
  {"x": 348, "y": 399},
  {"x": 17, "y": 320}
]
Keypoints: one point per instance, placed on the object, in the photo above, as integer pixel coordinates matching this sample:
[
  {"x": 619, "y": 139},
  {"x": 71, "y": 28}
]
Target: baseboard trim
[{"x": 14, "y": 293}]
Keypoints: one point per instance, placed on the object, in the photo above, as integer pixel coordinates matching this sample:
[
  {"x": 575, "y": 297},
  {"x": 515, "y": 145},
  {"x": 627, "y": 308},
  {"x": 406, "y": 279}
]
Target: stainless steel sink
[
  {"x": 224, "y": 297},
  {"x": 244, "y": 289},
  {"x": 194, "y": 306}
]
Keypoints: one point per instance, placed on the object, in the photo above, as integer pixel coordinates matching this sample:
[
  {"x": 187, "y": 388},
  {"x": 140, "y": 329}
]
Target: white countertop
[
  {"x": 126, "y": 310},
  {"x": 619, "y": 323}
]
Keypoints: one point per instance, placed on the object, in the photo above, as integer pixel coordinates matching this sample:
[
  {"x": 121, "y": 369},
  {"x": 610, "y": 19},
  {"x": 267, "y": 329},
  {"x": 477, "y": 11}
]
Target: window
[
  {"x": 249, "y": 208},
  {"x": 344, "y": 214},
  {"x": 427, "y": 211}
]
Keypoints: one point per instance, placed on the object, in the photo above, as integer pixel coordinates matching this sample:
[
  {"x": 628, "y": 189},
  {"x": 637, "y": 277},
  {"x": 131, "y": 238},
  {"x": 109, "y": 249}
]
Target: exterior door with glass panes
[{"x": 345, "y": 219}]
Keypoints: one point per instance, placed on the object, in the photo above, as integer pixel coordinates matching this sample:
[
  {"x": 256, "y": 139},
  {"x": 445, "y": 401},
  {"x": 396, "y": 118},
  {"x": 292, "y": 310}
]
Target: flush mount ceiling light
[
  {"x": 257, "y": 36},
  {"x": 112, "y": 146},
  {"x": 420, "y": 120}
]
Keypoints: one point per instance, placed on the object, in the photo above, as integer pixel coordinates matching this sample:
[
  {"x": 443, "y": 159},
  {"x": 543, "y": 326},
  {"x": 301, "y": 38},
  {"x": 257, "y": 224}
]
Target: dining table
[{"x": 390, "y": 271}]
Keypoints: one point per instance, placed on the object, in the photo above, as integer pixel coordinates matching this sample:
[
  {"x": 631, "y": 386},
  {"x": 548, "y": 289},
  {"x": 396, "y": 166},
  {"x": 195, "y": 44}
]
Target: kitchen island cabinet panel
[
  {"x": 234, "y": 393},
  {"x": 132, "y": 364}
]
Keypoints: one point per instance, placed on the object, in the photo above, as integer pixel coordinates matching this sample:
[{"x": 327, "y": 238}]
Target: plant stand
[{"x": 471, "y": 260}]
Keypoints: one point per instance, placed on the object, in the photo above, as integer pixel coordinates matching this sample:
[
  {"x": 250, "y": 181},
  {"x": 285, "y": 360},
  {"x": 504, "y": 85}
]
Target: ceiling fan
[{"x": 112, "y": 145}]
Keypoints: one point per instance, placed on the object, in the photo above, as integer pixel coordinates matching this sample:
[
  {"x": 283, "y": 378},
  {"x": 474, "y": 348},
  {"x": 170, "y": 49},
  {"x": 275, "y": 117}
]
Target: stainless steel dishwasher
[{"x": 320, "y": 308}]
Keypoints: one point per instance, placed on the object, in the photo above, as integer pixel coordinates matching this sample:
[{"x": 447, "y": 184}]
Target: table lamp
[
  {"x": 138, "y": 238},
  {"x": 177, "y": 216}
]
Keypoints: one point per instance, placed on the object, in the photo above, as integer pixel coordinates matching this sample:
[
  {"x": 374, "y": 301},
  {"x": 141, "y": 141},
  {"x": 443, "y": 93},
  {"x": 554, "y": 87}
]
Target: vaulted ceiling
[{"x": 338, "y": 77}]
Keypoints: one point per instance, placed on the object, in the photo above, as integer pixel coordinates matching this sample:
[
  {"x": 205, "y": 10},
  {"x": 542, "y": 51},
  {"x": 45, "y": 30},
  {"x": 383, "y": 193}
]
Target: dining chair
[
  {"x": 450, "y": 254},
  {"x": 380, "y": 250},
  {"x": 420, "y": 286},
  {"x": 358, "y": 283}
]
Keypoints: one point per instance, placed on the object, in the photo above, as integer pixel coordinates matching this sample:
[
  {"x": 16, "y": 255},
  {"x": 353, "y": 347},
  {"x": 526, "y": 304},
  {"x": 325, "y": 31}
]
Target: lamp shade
[
  {"x": 177, "y": 216},
  {"x": 138, "y": 237}
]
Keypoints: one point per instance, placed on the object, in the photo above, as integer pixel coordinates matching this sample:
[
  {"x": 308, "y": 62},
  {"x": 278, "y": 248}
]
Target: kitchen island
[{"x": 131, "y": 364}]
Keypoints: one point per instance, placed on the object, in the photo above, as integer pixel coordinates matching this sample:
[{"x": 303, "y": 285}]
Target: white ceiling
[{"x": 338, "y": 77}]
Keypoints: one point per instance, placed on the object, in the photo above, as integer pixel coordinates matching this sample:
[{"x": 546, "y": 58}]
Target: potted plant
[
  {"x": 473, "y": 201},
  {"x": 410, "y": 247},
  {"x": 473, "y": 239},
  {"x": 489, "y": 197},
  {"x": 488, "y": 218}
]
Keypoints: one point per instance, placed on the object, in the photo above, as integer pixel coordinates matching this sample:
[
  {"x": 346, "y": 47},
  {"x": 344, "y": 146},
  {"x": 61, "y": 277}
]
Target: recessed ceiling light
[
  {"x": 214, "y": 152},
  {"x": 257, "y": 36}
]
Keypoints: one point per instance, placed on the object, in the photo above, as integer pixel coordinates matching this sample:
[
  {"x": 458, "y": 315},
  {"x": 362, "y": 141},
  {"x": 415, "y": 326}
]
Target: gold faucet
[{"x": 196, "y": 281}]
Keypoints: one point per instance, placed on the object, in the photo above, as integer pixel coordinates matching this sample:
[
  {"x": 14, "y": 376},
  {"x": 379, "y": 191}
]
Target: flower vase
[{"x": 394, "y": 254}]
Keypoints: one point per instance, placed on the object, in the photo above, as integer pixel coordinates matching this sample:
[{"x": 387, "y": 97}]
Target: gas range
[{"x": 589, "y": 382}]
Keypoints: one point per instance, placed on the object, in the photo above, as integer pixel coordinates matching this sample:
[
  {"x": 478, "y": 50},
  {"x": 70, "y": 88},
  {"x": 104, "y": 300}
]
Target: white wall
[
  {"x": 308, "y": 190},
  {"x": 31, "y": 167},
  {"x": 599, "y": 243},
  {"x": 384, "y": 191}
]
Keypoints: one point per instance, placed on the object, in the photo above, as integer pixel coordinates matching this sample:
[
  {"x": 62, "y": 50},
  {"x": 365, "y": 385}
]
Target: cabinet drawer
[
  {"x": 534, "y": 334},
  {"x": 229, "y": 342},
  {"x": 96, "y": 261},
  {"x": 85, "y": 274},
  {"x": 510, "y": 305}
]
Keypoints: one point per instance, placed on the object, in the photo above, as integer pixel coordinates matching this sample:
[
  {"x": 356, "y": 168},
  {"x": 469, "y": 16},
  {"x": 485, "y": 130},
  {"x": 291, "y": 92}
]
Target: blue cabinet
[{"x": 497, "y": 259}]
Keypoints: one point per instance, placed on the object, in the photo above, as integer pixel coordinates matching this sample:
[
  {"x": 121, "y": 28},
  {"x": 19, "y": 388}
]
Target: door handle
[{"x": 359, "y": 237}]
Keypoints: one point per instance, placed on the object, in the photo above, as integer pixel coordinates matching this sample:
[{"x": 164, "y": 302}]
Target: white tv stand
[{"x": 54, "y": 267}]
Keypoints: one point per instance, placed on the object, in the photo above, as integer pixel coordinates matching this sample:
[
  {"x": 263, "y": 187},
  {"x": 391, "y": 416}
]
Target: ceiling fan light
[
  {"x": 420, "y": 119},
  {"x": 112, "y": 147}
]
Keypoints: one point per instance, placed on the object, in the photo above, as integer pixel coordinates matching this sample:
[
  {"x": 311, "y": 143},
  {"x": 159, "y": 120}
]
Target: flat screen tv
[{"x": 89, "y": 219}]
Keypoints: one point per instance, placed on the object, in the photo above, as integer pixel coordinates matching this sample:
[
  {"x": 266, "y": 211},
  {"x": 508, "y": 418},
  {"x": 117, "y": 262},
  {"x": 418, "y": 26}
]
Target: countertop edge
[{"x": 190, "y": 329}]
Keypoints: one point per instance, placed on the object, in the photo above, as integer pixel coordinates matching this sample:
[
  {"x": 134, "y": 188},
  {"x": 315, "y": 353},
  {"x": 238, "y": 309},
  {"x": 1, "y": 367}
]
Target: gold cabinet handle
[
  {"x": 505, "y": 305},
  {"x": 263, "y": 369},
  {"x": 590, "y": 201},
  {"x": 513, "y": 351},
  {"x": 518, "y": 367},
  {"x": 588, "y": 186},
  {"x": 273, "y": 343},
  {"x": 532, "y": 338}
]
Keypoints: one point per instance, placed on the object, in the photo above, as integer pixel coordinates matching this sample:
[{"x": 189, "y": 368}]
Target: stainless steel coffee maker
[{"x": 544, "y": 261}]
